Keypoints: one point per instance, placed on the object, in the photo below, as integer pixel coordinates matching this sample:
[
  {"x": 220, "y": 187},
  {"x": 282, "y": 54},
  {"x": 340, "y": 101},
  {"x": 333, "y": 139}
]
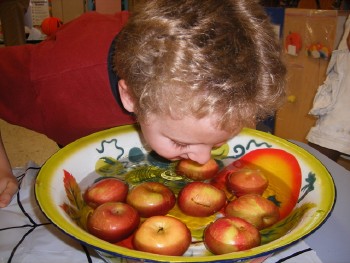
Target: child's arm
[
  {"x": 8, "y": 182},
  {"x": 348, "y": 40}
]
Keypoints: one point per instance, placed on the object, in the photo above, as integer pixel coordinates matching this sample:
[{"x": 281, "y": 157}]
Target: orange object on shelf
[
  {"x": 50, "y": 25},
  {"x": 293, "y": 43}
]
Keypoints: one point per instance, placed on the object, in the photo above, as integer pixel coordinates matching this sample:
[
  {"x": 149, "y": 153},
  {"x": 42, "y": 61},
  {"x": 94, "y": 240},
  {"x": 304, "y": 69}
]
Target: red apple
[
  {"x": 127, "y": 242},
  {"x": 230, "y": 234},
  {"x": 200, "y": 199},
  {"x": 151, "y": 198},
  {"x": 164, "y": 235},
  {"x": 220, "y": 182},
  {"x": 113, "y": 221},
  {"x": 255, "y": 209},
  {"x": 106, "y": 190},
  {"x": 247, "y": 181},
  {"x": 196, "y": 171}
]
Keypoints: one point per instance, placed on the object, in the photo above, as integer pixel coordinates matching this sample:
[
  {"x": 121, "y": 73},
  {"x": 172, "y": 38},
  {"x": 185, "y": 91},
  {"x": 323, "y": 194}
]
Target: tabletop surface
[{"x": 331, "y": 241}]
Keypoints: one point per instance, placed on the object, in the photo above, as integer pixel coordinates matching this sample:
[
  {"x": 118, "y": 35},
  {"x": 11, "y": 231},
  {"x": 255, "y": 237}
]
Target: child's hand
[
  {"x": 8, "y": 182},
  {"x": 8, "y": 188}
]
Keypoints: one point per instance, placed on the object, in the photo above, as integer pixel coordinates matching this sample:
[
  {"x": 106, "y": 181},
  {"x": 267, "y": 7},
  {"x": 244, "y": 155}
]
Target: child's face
[{"x": 188, "y": 138}]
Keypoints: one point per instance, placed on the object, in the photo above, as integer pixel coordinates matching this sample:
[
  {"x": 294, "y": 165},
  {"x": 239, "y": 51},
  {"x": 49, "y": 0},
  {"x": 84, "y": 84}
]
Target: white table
[
  {"x": 27, "y": 236},
  {"x": 332, "y": 241}
]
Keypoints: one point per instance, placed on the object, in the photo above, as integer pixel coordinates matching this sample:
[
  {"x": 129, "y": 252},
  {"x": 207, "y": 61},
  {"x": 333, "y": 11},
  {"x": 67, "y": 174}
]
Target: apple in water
[
  {"x": 127, "y": 242},
  {"x": 164, "y": 235},
  {"x": 151, "y": 198},
  {"x": 247, "y": 181},
  {"x": 113, "y": 221},
  {"x": 196, "y": 171},
  {"x": 106, "y": 190},
  {"x": 230, "y": 234},
  {"x": 200, "y": 199},
  {"x": 255, "y": 209}
]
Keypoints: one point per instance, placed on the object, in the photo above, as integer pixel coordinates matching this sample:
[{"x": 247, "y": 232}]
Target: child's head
[{"x": 201, "y": 59}]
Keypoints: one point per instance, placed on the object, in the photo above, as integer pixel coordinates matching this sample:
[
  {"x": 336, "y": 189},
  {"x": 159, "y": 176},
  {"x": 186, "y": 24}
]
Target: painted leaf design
[
  {"x": 287, "y": 224},
  {"x": 108, "y": 166},
  {"x": 76, "y": 209},
  {"x": 73, "y": 191},
  {"x": 309, "y": 187}
]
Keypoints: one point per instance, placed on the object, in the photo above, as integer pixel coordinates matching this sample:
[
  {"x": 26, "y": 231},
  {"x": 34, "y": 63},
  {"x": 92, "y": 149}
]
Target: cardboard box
[
  {"x": 67, "y": 10},
  {"x": 108, "y": 6}
]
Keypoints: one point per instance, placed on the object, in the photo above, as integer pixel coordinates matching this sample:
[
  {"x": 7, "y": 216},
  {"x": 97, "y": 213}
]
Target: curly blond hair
[{"x": 202, "y": 58}]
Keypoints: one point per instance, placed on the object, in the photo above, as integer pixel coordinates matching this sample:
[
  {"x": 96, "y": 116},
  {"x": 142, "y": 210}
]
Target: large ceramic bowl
[{"x": 298, "y": 183}]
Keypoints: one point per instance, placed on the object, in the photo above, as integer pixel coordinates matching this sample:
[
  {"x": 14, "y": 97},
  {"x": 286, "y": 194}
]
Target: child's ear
[{"x": 125, "y": 96}]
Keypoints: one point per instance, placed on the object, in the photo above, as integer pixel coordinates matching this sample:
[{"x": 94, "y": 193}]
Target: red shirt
[{"x": 60, "y": 87}]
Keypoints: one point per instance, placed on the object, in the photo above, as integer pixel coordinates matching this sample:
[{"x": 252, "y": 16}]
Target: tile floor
[{"x": 23, "y": 145}]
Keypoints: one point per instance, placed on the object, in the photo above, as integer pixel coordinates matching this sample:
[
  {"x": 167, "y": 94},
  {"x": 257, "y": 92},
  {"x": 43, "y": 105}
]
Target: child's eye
[{"x": 180, "y": 145}]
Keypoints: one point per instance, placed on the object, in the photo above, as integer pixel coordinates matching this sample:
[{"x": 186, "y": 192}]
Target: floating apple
[
  {"x": 127, "y": 242},
  {"x": 220, "y": 182},
  {"x": 255, "y": 209},
  {"x": 164, "y": 235},
  {"x": 151, "y": 198},
  {"x": 247, "y": 181},
  {"x": 106, "y": 190},
  {"x": 280, "y": 167},
  {"x": 113, "y": 221},
  {"x": 200, "y": 199},
  {"x": 230, "y": 234},
  {"x": 283, "y": 172},
  {"x": 196, "y": 171}
]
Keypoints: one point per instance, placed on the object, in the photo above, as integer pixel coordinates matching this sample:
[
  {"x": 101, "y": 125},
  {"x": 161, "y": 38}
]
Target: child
[{"x": 192, "y": 72}]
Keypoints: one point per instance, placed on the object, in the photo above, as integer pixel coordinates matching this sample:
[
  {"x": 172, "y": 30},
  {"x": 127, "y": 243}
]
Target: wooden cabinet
[
  {"x": 67, "y": 10},
  {"x": 305, "y": 73}
]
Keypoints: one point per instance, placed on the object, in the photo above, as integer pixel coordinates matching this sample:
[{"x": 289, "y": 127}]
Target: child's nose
[{"x": 201, "y": 156}]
